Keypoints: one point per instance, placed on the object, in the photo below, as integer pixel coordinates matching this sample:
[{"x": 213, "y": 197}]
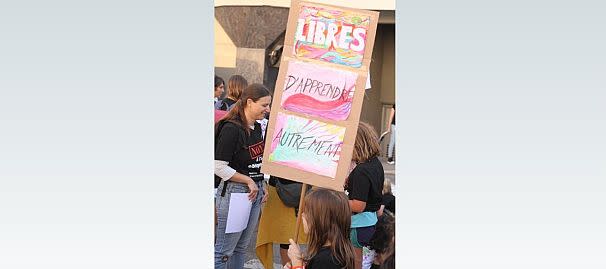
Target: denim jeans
[
  {"x": 392, "y": 141},
  {"x": 230, "y": 249}
]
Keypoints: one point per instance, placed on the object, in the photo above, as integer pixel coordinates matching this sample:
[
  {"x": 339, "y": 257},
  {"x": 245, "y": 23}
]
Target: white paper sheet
[{"x": 239, "y": 211}]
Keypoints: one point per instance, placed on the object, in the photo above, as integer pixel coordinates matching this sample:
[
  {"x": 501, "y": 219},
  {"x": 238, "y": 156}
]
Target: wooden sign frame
[{"x": 351, "y": 123}]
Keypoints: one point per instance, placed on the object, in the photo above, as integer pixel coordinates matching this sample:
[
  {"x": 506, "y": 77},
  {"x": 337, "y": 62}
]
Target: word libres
[{"x": 326, "y": 35}]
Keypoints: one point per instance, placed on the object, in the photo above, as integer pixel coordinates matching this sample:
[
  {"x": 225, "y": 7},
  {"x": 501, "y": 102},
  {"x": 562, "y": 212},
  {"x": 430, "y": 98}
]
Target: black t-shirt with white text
[
  {"x": 365, "y": 184},
  {"x": 323, "y": 260},
  {"x": 243, "y": 152}
]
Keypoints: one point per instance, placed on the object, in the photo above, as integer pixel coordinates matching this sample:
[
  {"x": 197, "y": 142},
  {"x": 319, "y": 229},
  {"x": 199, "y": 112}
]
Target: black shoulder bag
[{"x": 289, "y": 192}]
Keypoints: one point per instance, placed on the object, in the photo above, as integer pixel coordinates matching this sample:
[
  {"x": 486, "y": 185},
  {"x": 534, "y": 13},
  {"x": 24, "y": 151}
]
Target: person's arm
[
  {"x": 265, "y": 193},
  {"x": 380, "y": 211},
  {"x": 252, "y": 186},
  {"x": 358, "y": 189},
  {"x": 225, "y": 172},
  {"x": 357, "y": 206},
  {"x": 294, "y": 253}
]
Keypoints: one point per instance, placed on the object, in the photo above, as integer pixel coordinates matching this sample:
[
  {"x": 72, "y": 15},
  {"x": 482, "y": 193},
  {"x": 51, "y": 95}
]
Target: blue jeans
[
  {"x": 230, "y": 249},
  {"x": 392, "y": 141}
]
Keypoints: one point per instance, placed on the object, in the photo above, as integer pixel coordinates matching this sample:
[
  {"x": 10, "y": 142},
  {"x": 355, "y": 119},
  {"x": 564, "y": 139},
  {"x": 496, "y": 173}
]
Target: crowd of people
[{"x": 339, "y": 227}]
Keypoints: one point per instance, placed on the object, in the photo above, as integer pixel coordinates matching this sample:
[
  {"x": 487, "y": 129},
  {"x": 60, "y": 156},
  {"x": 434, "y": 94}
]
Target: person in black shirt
[
  {"x": 326, "y": 222},
  {"x": 364, "y": 186},
  {"x": 238, "y": 157},
  {"x": 389, "y": 200}
]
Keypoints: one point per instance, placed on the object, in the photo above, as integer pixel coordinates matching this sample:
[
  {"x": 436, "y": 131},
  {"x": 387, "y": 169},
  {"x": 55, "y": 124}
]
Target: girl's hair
[
  {"x": 236, "y": 114},
  {"x": 390, "y": 261},
  {"x": 235, "y": 86},
  {"x": 328, "y": 217},
  {"x": 384, "y": 233},
  {"x": 386, "y": 187},
  {"x": 366, "y": 145},
  {"x": 218, "y": 81}
]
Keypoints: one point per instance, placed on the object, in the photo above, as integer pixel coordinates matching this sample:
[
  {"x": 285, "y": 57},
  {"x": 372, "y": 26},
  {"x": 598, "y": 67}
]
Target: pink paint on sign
[
  {"x": 331, "y": 35},
  {"x": 318, "y": 91},
  {"x": 306, "y": 144}
]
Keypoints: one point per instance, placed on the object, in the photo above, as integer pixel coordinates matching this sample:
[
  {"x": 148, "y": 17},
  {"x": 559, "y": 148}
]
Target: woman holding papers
[
  {"x": 364, "y": 188},
  {"x": 238, "y": 156}
]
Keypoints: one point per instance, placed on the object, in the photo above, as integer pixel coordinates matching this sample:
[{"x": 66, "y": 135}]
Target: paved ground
[
  {"x": 254, "y": 263},
  {"x": 390, "y": 170}
]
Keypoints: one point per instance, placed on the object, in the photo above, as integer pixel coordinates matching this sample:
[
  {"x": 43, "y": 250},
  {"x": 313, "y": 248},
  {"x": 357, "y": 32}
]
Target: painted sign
[
  {"x": 306, "y": 144},
  {"x": 318, "y": 91},
  {"x": 334, "y": 36}
]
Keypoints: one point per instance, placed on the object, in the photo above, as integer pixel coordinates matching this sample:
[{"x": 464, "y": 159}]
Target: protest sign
[
  {"x": 306, "y": 144},
  {"x": 319, "y": 93},
  {"x": 331, "y": 35}
]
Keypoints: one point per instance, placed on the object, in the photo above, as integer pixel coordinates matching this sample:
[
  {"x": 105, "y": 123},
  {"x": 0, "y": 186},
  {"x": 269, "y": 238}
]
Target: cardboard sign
[
  {"x": 319, "y": 93},
  {"x": 306, "y": 144},
  {"x": 331, "y": 35}
]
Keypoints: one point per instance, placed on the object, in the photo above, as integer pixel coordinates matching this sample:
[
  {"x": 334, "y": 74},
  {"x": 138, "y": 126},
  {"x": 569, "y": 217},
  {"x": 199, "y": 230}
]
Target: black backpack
[{"x": 288, "y": 191}]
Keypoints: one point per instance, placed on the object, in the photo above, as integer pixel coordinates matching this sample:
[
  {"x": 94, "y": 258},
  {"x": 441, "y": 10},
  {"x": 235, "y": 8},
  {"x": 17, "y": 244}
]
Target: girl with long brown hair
[
  {"x": 238, "y": 156},
  {"x": 326, "y": 221},
  {"x": 364, "y": 188},
  {"x": 235, "y": 85}
]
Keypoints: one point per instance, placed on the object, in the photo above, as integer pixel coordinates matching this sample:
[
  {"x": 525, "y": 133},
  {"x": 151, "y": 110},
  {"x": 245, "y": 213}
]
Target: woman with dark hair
[
  {"x": 364, "y": 187},
  {"x": 235, "y": 85},
  {"x": 238, "y": 156},
  {"x": 219, "y": 88}
]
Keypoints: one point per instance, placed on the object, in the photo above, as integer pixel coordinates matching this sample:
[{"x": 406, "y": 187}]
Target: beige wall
[
  {"x": 225, "y": 54},
  {"x": 362, "y": 4},
  {"x": 225, "y": 50},
  {"x": 388, "y": 70}
]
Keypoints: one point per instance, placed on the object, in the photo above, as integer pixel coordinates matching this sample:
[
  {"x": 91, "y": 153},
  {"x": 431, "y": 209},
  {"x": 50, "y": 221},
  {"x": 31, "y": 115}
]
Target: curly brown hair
[{"x": 367, "y": 143}]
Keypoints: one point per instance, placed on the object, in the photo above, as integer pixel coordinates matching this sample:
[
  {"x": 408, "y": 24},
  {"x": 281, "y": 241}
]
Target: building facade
[{"x": 249, "y": 36}]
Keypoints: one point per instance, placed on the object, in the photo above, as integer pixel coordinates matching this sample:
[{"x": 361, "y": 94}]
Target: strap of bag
[
  {"x": 219, "y": 127},
  {"x": 224, "y": 188}
]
